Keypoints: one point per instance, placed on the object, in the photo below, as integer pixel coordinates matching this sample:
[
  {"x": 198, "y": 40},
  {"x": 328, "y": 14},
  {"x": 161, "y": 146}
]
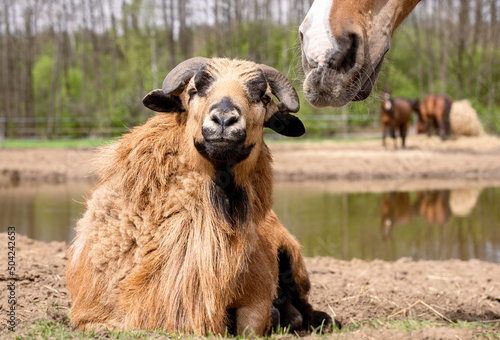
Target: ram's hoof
[{"x": 323, "y": 322}]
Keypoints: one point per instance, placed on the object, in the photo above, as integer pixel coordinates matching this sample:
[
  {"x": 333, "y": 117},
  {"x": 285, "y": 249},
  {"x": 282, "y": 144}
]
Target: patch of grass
[
  {"x": 487, "y": 329},
  {"x": 95, "y": 142},
  {"x": 50, "y": 329},
  {"x": 53, "y": 144},
  {"x": 44, "y": 329}
]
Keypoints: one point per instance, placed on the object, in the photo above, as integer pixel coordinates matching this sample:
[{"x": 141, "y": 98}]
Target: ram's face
[
  {"x": 227, "y": 108},
  {"x": 225, "y": 105}
]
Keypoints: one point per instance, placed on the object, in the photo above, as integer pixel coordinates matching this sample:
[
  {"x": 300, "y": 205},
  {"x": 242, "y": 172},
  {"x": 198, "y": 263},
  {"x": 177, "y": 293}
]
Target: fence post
[
  {"x": 3, "y": 121},
  {"x": 344, "y": 122}
]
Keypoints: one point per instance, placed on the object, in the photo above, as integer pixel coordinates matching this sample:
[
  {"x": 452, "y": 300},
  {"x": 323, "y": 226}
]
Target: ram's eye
[
  {"x": 266, "y": 99},
  {"x": 191, "y": 93}
]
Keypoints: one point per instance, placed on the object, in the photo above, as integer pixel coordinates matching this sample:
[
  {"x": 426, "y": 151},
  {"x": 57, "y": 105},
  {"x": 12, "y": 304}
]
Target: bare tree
[
  {"x": 29, "y": 60},
  {"x": 6, "y": 78}
]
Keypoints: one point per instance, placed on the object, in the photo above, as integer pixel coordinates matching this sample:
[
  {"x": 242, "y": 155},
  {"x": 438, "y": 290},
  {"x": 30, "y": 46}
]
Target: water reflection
[
  {"x": 42, "y": 211},
  {"x": 434, "y": 206},
  {"x": 432, "y": 224},
  {"x": 395, "y": 210}
]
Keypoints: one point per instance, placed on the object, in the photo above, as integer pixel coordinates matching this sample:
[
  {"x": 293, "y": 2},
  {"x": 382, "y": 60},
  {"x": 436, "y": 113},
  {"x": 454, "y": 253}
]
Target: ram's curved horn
[
  {"x": 178, "y": 78},
  {"x": 282, "y": 88}
]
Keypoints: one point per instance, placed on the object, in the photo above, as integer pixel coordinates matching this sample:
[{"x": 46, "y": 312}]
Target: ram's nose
[
  {"x": 224, "y": 122},
  {"x": 224, "y": 115},
  {"x": 225, "y": 119}
]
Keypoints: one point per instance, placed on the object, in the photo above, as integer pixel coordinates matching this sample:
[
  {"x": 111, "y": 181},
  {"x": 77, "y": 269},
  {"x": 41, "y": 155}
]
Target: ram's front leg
[
  {"x": 291, "y": 301},
  {"x": 254, "y": 319},
  {"x": 253, "y": 310}
]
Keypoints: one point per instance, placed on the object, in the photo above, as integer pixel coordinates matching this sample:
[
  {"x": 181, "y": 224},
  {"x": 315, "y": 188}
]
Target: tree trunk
[
  {"x": 6, "y": 78},
  {"x": 29, "y": 100}
]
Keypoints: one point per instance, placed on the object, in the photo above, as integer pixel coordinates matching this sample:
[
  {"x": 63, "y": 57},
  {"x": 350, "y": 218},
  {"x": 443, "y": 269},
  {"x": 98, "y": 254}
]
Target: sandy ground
[
  {"x": 357, "y": 292},
  {"x": 351, "y": 163},
  {"x": 424, "y": 158}
]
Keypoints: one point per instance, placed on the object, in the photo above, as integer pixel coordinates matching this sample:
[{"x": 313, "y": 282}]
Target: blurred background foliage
[{"x": 79, "y": 68}]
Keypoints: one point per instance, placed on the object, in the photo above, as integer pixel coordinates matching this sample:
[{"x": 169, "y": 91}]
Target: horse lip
[
  {"x": 368, "y": 85},
  {"x": 326, "y": 92}
]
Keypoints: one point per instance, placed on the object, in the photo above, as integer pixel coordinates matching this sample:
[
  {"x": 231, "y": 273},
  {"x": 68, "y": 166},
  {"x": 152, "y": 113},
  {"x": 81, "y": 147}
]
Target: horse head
[
  {"x": 387, "y": 101},
  {"x": 343, "y": 46}
]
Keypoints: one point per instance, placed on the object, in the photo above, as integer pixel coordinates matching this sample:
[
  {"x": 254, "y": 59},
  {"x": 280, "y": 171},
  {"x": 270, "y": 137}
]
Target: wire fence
[
  {"x": 43, "y": 128},
  {"x": 339, "y": 126}
]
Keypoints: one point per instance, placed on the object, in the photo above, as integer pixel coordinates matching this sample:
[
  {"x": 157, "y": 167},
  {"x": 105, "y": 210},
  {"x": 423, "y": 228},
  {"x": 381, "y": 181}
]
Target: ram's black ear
[
  {"x": 286, "y": 124},
  {"x": 159, "y": 101}
]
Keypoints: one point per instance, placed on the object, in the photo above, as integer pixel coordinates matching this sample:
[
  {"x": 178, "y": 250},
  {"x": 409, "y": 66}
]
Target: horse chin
[
  {"x": 325, "y": 87},
  {"x": 368, "y": 85}
]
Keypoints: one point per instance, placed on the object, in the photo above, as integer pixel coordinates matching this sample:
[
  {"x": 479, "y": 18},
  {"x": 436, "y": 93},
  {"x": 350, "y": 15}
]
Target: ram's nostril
[
  {"x": 230, "y": 120},
  {"x": 224, "y": 120},
  {"x": 216, "y": 119}
]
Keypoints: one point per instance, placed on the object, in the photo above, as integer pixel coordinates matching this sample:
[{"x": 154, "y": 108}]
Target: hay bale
[{"x": 464, "y": 120}]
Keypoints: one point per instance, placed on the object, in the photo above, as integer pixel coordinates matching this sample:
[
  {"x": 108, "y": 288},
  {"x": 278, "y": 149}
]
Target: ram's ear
[
  {"x": 286, "y": 124},
  {"x": 282, "y": 121},
  {"x": 159, "y": 101}
]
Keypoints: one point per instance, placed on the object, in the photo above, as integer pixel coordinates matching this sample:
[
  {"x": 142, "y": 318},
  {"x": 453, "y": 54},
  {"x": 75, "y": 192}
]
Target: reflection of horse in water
[
  {"x": 395, "y": 209},
  {"x": 435, "y": 112},
  {"x": 433, "y": 206},
  {"x": 395, "y": 115}
]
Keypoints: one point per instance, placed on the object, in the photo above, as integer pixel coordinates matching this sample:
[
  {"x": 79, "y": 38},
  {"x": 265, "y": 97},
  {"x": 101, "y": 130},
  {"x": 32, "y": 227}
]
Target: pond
[{"x": 429, "y": 224}]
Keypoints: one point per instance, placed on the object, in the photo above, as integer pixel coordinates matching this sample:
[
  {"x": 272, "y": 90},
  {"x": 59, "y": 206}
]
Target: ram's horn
[
  {"x": 282, "y": 88},
  {"x": 178, "y": 78}
]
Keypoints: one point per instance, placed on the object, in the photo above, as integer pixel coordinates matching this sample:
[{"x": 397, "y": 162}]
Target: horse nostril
[{"x": 344, "y": 58}]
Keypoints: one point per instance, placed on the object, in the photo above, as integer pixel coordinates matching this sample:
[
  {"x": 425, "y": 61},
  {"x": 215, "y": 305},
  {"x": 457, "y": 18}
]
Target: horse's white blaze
[{"x": 317, "y": 37}]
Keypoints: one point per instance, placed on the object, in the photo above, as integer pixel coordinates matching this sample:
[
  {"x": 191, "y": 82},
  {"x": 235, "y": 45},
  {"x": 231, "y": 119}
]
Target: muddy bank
[
  {"x": 429, "y": 159},
  {"x": 354, "y": 291},
  {"x": 469, "y": 158}
]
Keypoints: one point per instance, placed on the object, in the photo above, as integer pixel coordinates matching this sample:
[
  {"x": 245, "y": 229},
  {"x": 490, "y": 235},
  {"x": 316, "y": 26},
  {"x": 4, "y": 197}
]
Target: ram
[{"x": 179, "y": 233}]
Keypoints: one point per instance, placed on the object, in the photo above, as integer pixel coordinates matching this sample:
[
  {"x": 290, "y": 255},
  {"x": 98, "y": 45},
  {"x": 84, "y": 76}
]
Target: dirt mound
[
  {"x": 449, "y": 290},
  {"x": 40, "y": 285},
  {"x": 356, "y": 292}
]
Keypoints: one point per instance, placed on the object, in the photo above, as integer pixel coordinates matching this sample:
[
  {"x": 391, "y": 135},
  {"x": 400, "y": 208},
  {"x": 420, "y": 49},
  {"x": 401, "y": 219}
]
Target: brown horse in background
[
  {"x": 395, "y": 115},
  {"x": 435, "y": 111}
]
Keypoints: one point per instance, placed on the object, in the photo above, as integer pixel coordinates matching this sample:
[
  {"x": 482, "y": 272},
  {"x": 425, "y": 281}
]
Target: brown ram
[{"x": 179, "y": 233}]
